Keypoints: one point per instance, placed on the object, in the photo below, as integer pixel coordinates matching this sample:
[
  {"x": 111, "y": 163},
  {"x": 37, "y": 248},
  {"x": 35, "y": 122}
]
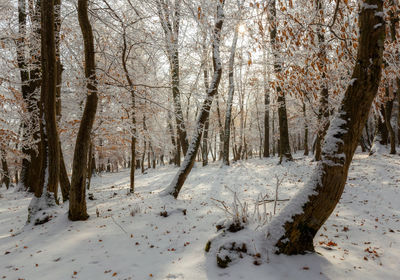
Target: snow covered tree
[{"x": 292, "y": 231}]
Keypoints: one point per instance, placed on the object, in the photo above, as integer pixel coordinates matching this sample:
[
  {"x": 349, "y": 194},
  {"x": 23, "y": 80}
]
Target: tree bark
[
  {"x": 177, "y": 183},
  {"x": 77, "y": 205},
  {"x": 294, "y": 230}
]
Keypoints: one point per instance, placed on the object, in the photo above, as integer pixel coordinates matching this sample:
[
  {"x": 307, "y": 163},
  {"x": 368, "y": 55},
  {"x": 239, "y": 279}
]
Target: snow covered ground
[{"x": 129, "y": 239}]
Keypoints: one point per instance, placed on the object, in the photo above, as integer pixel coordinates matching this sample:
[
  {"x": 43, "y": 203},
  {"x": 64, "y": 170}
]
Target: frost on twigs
[
  {"x": 237, "y": 236},
  {"x": 41, "y": 209}
]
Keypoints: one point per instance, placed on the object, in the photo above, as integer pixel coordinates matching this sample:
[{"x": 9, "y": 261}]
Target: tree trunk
[
  {"x": 31, "y": 174},
  {"x": 284, "y": 149},
  {"x": 220, "y": 129},
  {"x": 231, "y": 92},
  {"x": 398, "y": 110},
  {"x": 266, "y": 101},
  {"x": 124, "y": 58},
  {"x": 204, "y": 149},
  {"x": 64, "y": 180},
  {"x": 89, "y": 165},
  {"x": 63, "y": 177},
  {"x": 292, "y": 231},
  {"x": 205, "y": 143},
  {"x": 171, "y": 32},
  {"x": 381, "y": 133},
  {"x": 77, "y": 205},
  {"x": 48, "y": 98},
  {"x": 388, "y": 117},
  {"x": 177, "y": 183},
  {"x": 175, "y": 143},
  {"x": 284, "y": 146},
  {"x": 323, "y": 114},
  {"x": 273, "y": 133},
  {"x": 389, "y": 103},
  {"x": 306, "y": 151},
  {"x": 6, "y": 174},
  {"x": 143, "y": 156}
]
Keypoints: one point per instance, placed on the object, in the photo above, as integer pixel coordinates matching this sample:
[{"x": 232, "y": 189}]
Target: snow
[
  {"x": 131, "y": 240},
  {"x": 352, "y": 81},
  {"x": 367, "y": 6}
]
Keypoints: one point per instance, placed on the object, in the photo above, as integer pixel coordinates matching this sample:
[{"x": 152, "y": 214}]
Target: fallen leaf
[{"x": 331, "y": 243}]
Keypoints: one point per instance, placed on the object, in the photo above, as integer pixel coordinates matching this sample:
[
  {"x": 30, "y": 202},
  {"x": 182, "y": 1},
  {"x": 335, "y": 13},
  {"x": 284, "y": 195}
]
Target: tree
[
  {"x": 77, "y": 204},
  {"x": 187, "y": 165},
  {"x": 231, "y": 91},
  {"x": 32, "y": 147},
  {"x": 48, "y": 99},
  {"x": 284, "y": 144},
  {"x": 170, "y": 27},
  {"x": 323, "y": 113},
  {"x": 63, "y": 176},
  {"x": 293, "y": 230},
  {"x": 5, "y": 171}
]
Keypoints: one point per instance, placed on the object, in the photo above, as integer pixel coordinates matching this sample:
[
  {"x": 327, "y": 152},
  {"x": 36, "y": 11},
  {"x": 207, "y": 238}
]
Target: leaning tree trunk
[
  {"x": 284, "y": 149},
  {"x": 231, "y": 92},
  {"x": 179, "y": 179},
  {"x": 77, "y": 204},
  {"x": 293, "y": 230}
]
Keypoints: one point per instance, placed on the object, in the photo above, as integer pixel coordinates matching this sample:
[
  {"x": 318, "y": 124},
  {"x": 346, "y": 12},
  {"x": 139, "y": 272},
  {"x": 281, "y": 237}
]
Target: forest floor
[{"x": 129, "y": 239}]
